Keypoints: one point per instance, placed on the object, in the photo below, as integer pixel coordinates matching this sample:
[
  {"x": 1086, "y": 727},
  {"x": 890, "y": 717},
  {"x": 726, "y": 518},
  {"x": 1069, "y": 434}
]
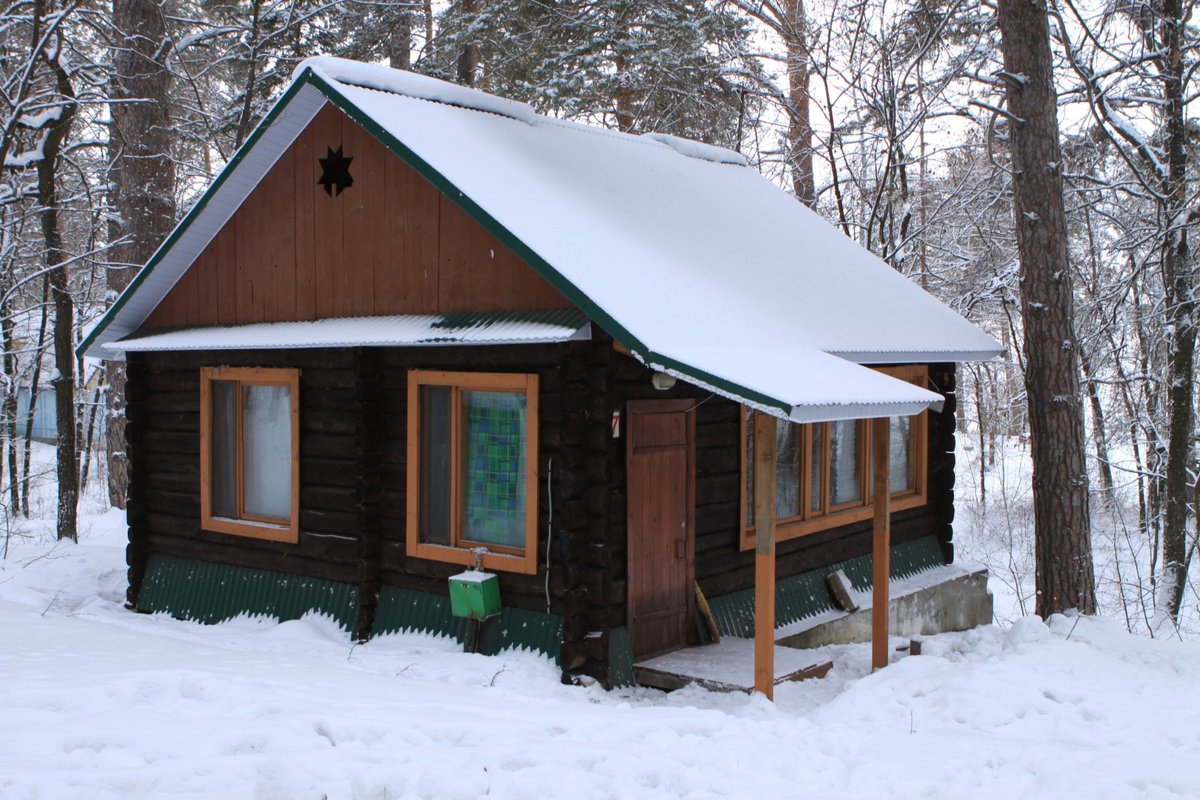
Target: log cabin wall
[
  {"x": 353, "y": 436},
  {"x": 572, "y": 456},
  {"x": 337, "y": 496},
  {"x": 389, "y": 244},
  {"x": 721, "y": 565}
]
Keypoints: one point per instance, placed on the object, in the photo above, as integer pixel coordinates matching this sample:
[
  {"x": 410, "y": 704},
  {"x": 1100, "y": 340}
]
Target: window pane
[
  {"x": 787, "y": 469},
  {"x": 494, "y": 469},
  {"x": 267, "y": 451},
  {"x": 818, "y": 442},
  {"x": 435, "y": 464},
  {"x": 900, "y": 450},
  {"x": 844, "y": 469},
  {"x": 224, "y": 448}
]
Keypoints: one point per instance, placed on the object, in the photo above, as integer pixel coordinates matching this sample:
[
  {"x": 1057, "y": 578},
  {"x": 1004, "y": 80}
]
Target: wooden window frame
[
  {"x": 504, "y": 559},
  {"x": 270, "y": 529},
  {"x": 830, "y": 516}
]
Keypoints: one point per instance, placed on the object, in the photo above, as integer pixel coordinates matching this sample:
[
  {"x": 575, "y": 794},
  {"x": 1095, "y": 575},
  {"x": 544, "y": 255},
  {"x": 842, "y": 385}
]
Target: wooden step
[{"x": 725, "y": 667}]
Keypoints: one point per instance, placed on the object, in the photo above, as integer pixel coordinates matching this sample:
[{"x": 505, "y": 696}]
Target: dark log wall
[
  {"x": 389, "y": 244},
  {"x": 353, "y": 419},
  {"x": 337, "y": 492},
  {"x": 572, "y": 427},
  {"x": 353, "y": 466},
  {"x": 721, "y": 565}
]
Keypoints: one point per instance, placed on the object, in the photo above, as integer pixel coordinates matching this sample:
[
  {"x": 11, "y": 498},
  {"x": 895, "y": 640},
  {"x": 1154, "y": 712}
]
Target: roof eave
[{"x": 918, "y": 356}]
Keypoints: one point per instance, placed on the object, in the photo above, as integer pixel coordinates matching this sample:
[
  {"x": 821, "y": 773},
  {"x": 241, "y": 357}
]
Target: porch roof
[{"x": 409, "y": 330}]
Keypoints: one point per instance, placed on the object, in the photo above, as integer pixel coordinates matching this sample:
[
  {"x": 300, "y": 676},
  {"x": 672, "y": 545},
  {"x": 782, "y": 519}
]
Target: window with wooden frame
[
  {"x": 822, "y": 478},
  {"x": 472, "y": 468},
  {"x": 250, "y": 452}
]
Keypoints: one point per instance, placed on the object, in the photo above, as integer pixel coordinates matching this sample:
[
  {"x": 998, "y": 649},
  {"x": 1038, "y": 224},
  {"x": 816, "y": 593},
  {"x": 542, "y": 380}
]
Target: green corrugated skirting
[
  {"x": 806, "y": 595},
  {"x": 409, "y": 610},
  {"x": 210, "y": 593},
  {"x": 620, "y": 659}
]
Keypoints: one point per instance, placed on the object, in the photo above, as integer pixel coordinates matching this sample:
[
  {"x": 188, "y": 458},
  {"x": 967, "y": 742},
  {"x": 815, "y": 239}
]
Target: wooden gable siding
[{"x": 389, "y": 244}]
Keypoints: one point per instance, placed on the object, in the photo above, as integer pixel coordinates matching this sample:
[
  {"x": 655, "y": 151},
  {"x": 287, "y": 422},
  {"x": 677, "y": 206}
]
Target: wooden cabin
[{"x": 413, "y": 329}]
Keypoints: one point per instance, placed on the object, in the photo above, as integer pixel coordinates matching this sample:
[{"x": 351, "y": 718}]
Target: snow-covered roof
[
  {"x": 409, "y": 330},
  {"x": 686, "y": 256}
]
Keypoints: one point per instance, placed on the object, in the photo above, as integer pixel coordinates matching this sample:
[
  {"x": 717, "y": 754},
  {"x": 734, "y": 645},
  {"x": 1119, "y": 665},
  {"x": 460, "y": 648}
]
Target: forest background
[{"x": 889, "y": 118}]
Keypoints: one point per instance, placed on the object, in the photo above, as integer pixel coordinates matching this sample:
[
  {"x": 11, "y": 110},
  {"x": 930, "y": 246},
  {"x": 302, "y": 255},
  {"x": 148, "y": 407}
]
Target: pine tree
[
  {"x": 1064, "y": 574},
  {"x": 141, "y": 177},
  {"x": 669, "y": 66}
]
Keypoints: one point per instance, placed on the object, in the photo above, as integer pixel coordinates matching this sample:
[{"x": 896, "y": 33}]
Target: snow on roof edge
[
  {"x": 693, "y": 149},
  {"x": 916, "y": 356},
  {"x": 408, "y": 330},
  {"x": 813, "y": 412},
  {"x": 412, "y": 84}
]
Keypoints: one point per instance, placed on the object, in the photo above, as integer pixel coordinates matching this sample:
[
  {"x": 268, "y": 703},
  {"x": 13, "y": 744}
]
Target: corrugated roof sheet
[{"x": 417, "y": 330}]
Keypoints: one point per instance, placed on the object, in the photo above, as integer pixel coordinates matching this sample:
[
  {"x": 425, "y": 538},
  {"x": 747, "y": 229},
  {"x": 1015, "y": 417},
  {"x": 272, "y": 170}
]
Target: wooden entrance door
[{"x": 660, "y": 492}]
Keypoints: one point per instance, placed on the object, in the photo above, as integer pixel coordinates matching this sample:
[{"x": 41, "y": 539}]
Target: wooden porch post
[
  {"x": 764, "y": 554},
  {"x": 882, "y": 540}
]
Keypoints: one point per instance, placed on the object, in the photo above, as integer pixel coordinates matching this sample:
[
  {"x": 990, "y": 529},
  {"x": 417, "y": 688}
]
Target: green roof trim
[
  {"x": 565, "y": 318},
  {"x": 207, "y": 592},
  {"x": 806, "y": 595},
  {"x": 402, "y": 610},
  {"x": 620, "y": 659}
]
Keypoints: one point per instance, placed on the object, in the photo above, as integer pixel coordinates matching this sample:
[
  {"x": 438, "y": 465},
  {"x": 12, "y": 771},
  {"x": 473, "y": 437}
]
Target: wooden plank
[
  {"x": 706, "y": 613},
  {"x": 304, "y": 179},
  {"x": 326, "y": 130},
  {"x": 422, "y": 243},
  {"x": 207, "y": 287},
  {"x": 881, "y": 544},
  {"x": 391, "y": 278},
  {"x": 722, "y": 667},
  {"x": 225, "y": 251},
  {"x": 279, "y": 296},
  {"x": 660, "y": 469},
  {"x": 842, "y": 591},
  {"x": 363, "y": 221},
  {"x": 764, "y": 555}
]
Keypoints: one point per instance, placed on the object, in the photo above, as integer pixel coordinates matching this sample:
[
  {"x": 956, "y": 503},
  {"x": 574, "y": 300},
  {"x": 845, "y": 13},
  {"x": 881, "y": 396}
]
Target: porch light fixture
[{"x": 662, "y": 381}]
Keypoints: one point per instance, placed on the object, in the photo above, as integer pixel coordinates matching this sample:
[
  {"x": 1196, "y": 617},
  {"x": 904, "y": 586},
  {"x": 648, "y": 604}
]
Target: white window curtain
[{"x": 267, "y": 451}]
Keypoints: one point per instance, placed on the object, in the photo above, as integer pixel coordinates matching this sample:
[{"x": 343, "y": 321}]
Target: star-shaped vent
[{"x": 335, "y": 175}]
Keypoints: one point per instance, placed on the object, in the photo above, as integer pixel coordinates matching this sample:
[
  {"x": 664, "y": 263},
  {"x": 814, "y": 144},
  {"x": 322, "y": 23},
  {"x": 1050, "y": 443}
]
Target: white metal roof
[
  {"x": 408, "y": 330},
  {"x": 695, "y": 262}
]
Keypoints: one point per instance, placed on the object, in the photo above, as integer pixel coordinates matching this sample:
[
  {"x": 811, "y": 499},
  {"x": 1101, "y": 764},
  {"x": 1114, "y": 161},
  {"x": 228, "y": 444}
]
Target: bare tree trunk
[
  {"x": 10, "y": 405},
  {"x": 1181, "y": 311},
  {"x": 468, "y": 58},
  {"x": 64, "y": 309},
  {"x": 1099, "y": 428},
  {"x": 398, "y": 45},
  {"x": 90, "y": 434},
  {"x": 143, "y": 179},
  {"x": 34, "y": 381},
  {"x": 1065, "y": 577}
]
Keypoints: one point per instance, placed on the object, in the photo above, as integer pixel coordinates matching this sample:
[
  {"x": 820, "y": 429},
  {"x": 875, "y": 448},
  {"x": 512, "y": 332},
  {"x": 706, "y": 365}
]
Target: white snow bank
[{"x": 99, "y": 703}]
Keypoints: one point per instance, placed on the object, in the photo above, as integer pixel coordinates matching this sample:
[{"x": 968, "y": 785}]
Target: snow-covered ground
[
  {"x": 98, "y": 702},
  {"x": 995, "y": 528}
]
